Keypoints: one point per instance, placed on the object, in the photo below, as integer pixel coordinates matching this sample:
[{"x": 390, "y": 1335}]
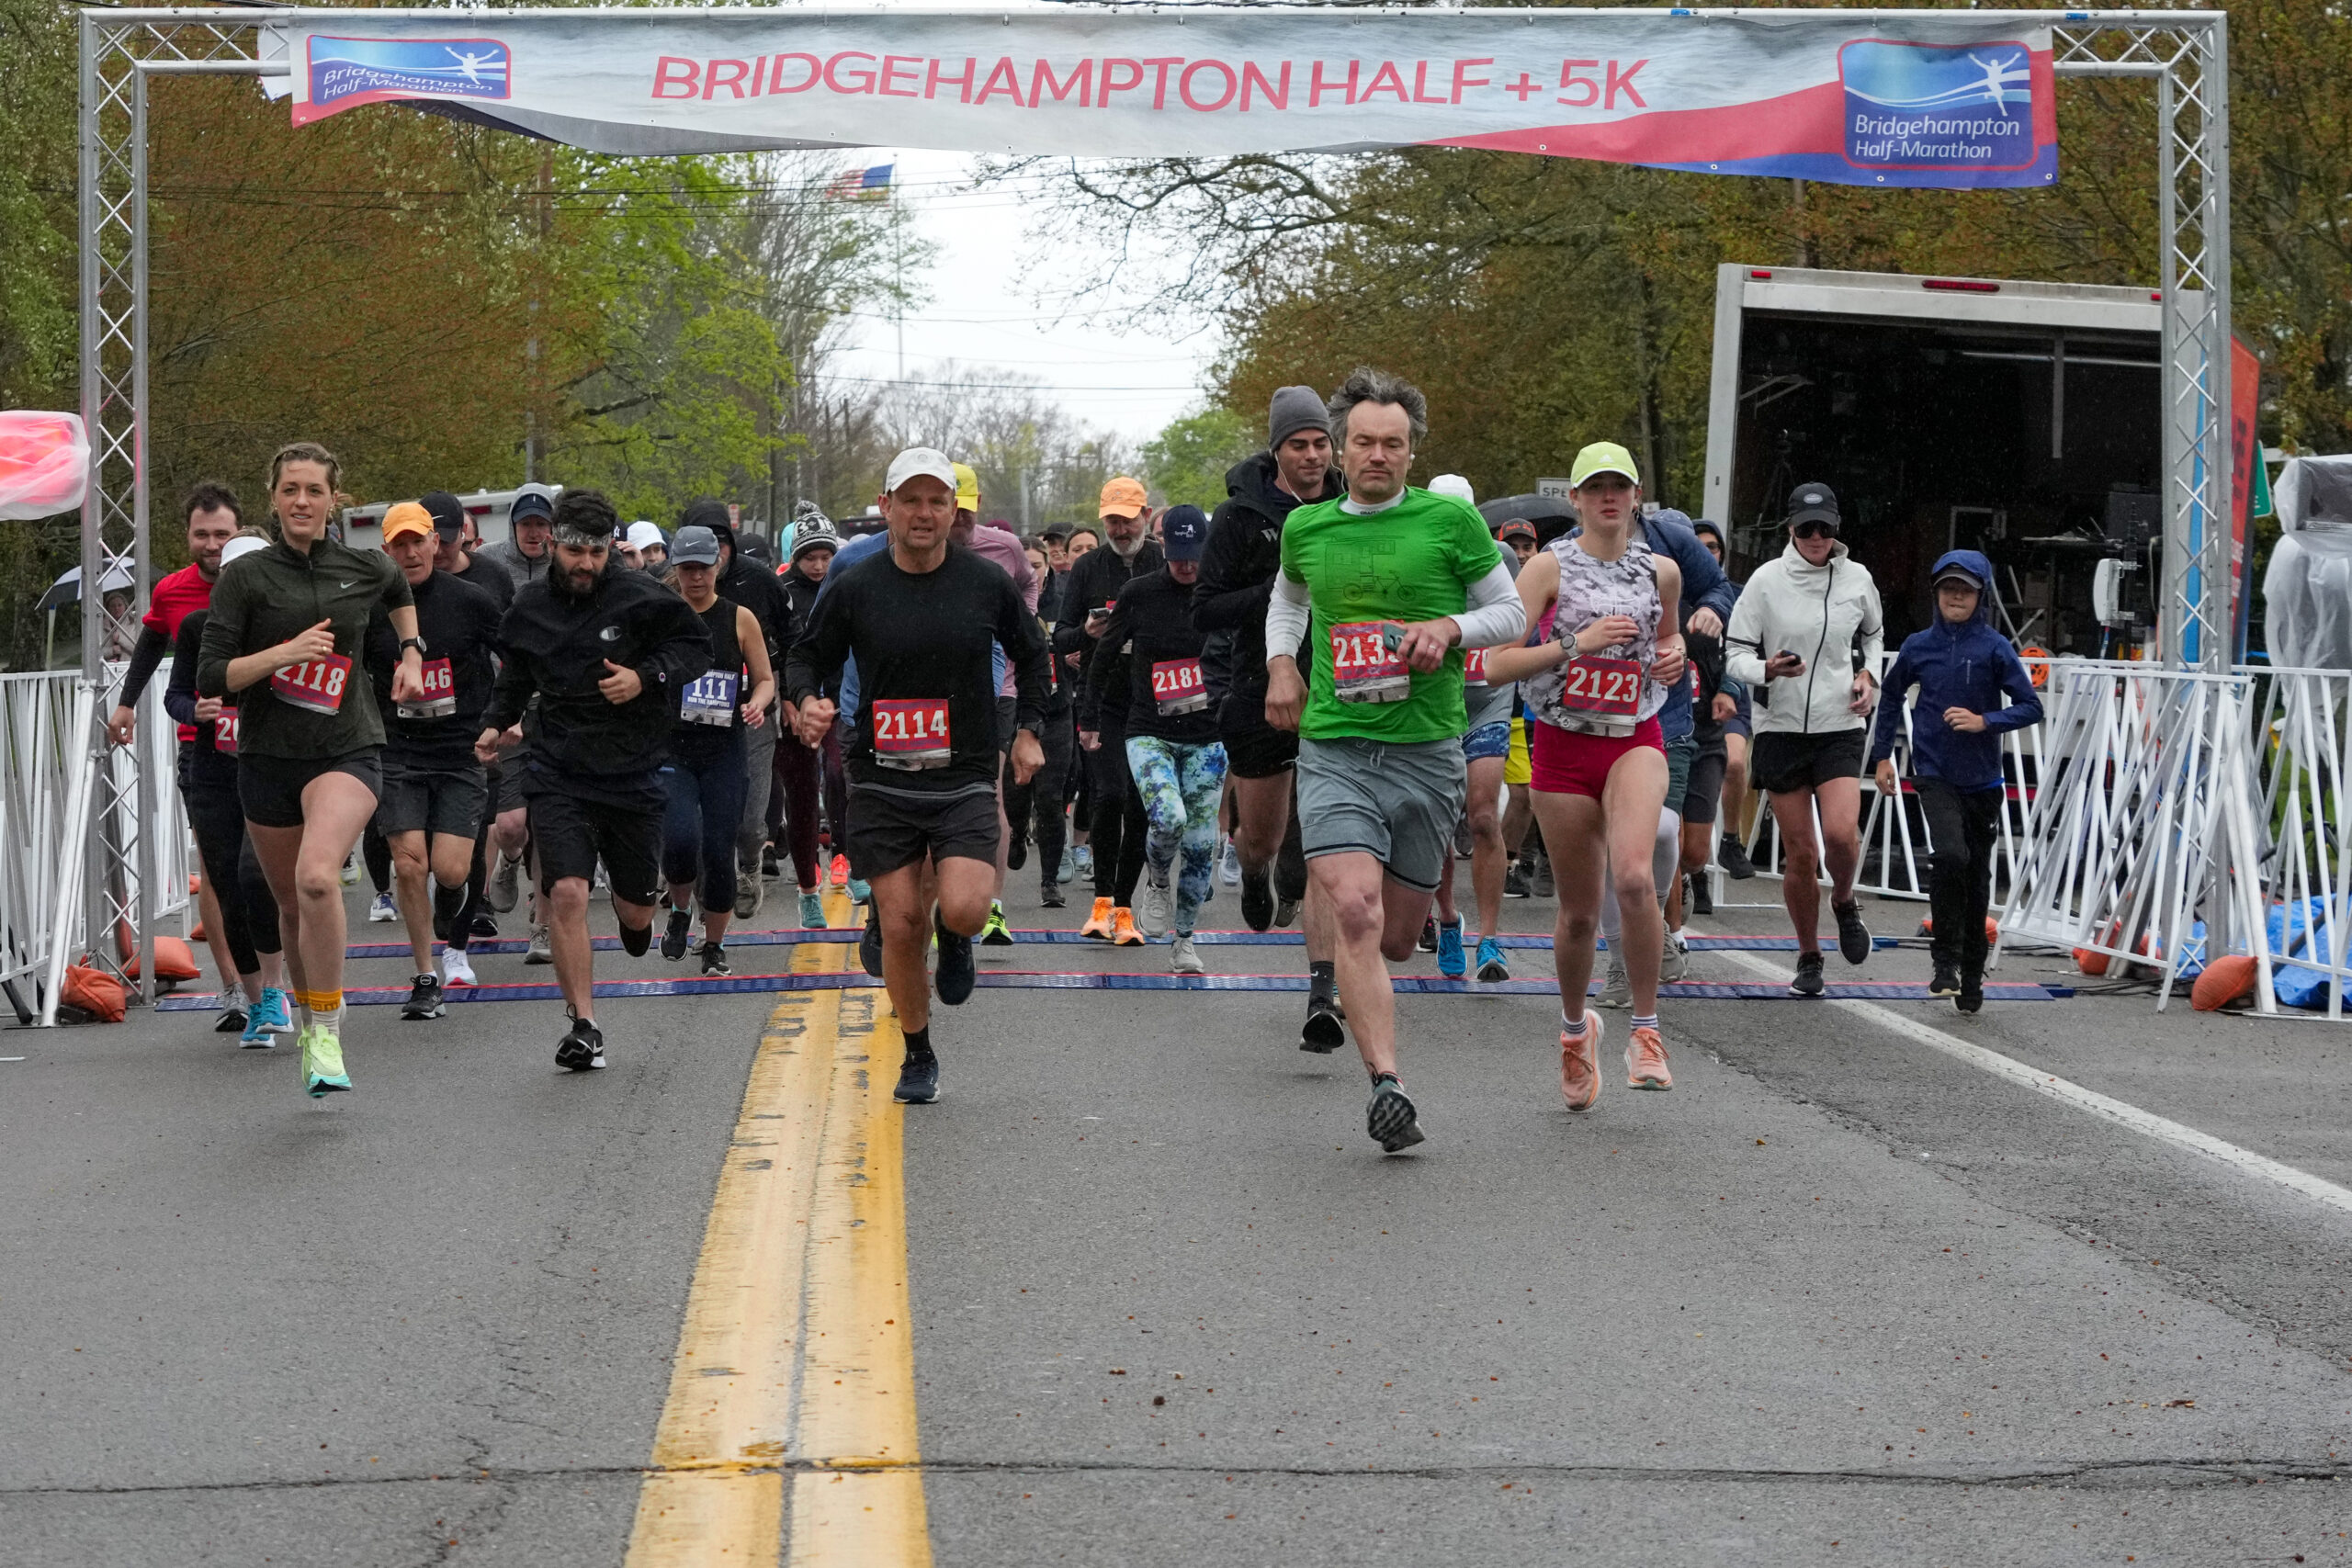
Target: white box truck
[{"x": 2016, "y": 418}]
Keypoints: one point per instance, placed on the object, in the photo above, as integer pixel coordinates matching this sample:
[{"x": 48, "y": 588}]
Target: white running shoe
[
  {"x": 383, "y": 912},
  {"x": 504, "y": 877},
  {"x": 1156, "y": 910},
  {"x": 351, "y": 869},
  {"x": 1230, "y": 873},
  {"x": 1674, "y": 962},
  {"x": 457, "y": 969},
  {"x": 1186, "y": 959}
]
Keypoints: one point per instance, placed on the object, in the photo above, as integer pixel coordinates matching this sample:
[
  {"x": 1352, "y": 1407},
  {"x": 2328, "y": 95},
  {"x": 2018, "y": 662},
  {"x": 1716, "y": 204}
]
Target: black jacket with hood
[{"x": 1237, "y": 567}]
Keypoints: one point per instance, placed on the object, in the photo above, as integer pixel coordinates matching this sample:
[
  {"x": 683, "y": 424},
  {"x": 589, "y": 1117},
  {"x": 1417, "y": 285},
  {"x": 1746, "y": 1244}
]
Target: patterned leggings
[{"x": 1181, "y": 786}]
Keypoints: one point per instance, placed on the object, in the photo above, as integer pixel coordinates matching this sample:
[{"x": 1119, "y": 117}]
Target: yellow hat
[
  {"x": 968, "y": 489},
  {"x": 1603, "y": 458},
  {"x": 1124, "y": 497},
  {"x": 406, "y": 518}
]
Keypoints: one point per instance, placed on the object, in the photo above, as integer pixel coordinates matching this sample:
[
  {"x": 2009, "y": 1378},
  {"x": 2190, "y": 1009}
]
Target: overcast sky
[{"x": 991, "y": 306}]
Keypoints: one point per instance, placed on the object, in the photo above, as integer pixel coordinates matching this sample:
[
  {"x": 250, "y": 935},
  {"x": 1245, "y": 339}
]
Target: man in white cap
[{"x": 922, "y": 619}]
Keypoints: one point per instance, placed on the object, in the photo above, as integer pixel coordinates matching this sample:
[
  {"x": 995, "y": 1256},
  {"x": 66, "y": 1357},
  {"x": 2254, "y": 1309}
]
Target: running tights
[
  {"x": 1119, "y": 824},
  {"x": 1179, "y": 786},
  {"x": 800, "y": 772},
  {"x": 1044, "y": 797},
  {"x": 248, "y": 910},
  {"x": 700, "y": 826},
  {"x": 1666, "y": 855}
]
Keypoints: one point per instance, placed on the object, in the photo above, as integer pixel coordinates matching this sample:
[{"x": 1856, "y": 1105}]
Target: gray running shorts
[{"x": 1398, "y": 804}]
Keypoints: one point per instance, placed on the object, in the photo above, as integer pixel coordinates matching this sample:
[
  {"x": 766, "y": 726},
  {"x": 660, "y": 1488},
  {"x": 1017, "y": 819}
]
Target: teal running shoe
[
  {"x": 1450, "y": 960},
  {"x": 813, "y": 912},
  {"x": 267, "y": 1020},
  {"x": 1491, "y": 966},
  {"x": 323, "y": 1071},
  {"x": 860, "y": 891}
]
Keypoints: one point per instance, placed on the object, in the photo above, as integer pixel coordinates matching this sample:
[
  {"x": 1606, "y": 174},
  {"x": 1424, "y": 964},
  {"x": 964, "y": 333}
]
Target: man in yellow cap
[{"x": 1119, "y": 825}]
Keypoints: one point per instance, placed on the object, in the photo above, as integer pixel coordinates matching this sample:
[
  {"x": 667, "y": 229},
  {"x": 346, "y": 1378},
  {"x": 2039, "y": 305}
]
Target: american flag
[{"x": 862, "y": 185}]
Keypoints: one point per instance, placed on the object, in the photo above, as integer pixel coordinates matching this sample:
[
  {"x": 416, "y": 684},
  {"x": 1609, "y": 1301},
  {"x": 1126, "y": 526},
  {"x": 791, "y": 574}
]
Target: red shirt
[
  {"x": 173, "y": 600},
  {"x": 175, "y": 597}
]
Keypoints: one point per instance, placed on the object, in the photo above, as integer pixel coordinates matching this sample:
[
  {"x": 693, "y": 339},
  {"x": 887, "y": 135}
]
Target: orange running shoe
[
  {"x": 1580, "y": 1065},
  {"x": 1122, "y": 929},
  {"x": 1098, "y": 924},
  {"x": 840, "y": 870},
  {"x": 1646, "y": 1061}
]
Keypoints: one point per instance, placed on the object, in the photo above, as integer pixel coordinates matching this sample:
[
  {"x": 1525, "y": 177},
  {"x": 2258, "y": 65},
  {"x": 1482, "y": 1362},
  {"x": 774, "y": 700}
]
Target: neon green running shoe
[
  {"x": 323, "y": 1071},
  {"x": 996, "y": 933}
]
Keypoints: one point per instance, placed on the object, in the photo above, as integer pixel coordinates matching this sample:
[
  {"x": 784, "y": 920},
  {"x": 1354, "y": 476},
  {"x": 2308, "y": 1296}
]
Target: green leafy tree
[{"x": 1188, "y": 460}]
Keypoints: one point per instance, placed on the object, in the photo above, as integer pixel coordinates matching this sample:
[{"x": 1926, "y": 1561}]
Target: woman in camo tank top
[{"x": 1594, "y": 682}]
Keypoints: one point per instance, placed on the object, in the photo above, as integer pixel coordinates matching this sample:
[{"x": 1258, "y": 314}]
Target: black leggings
[
  {"x": 248, "y": 910},
  {"x": 1044, "y": 796},
  {"x": 1120, "y": 825},
  {"x": 1966, "y": 830}
]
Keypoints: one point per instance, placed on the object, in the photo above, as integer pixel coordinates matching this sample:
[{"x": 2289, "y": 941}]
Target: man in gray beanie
[{"x": 1244, "y": 552}]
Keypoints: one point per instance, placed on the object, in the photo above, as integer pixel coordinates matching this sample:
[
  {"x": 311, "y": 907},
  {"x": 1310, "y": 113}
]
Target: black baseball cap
[
  {"x": 449, "y": 512},
  {"x": 1813, "y": 503}
]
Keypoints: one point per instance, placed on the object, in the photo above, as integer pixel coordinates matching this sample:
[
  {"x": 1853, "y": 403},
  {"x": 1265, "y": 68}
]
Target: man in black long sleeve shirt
[
  {"x": 608, "y": 651},
  {"x": 1245, "y": 551},
  {"x": 1118, "y": 823},
  {"x": 922, "y": 618}
]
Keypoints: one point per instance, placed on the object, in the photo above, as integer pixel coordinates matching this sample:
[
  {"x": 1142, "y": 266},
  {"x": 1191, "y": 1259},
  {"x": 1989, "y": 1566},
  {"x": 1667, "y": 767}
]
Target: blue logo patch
[
  {"x": 344, "y": 69},
  {"x": 1938, "y": 106}
]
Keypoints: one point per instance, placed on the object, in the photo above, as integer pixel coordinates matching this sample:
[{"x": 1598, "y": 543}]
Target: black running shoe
[
  {"x": 1972, "y": 993},
  {"x": 1543, "y": 885},
  {"x": 1947, "y": 981},
  {"x": 423, "y": 998},
  {"x": 917, "y": 1081},
  {"x": 1428, "y": 935},
  {"x": 956, "y": 971},
  {"x": 1514, "y": 881},
  {"x": 1702, "y": 893},
  {"x": 1322, "y": 1033},
  {"x": 1853, "y": 937},
  {"x": 581, "y": 1049},
  {"x": 485, "y": 926},
  {"x": 1734, "y": 854},
  {"x": 869, "y": 942},
  {"x": 1016, "y": 853},
  {"x": 1808, "y": 980},
  {"x": 679, "y": 936},
  {"x": 714, "y": 959},
  {"x": 1049, "y": 896},
  {"x": 1256, "y": 898},
  {"x": 1286, "y": 912},
  {"x": 1391, "y": 1119}
]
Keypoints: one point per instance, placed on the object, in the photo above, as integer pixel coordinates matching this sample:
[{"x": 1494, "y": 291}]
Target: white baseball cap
[
  {"x": 920, "y": 460},
  {"x": 236, "y": 548},
  {"x": 1456, "y": 486},
  {"x": 643, "y": 533}
]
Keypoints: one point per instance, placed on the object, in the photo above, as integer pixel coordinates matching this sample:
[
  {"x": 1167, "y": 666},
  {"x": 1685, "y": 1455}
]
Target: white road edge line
[{"x": 2073, "y": 1094}]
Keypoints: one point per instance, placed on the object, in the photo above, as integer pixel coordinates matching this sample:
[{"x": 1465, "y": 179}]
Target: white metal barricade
[{"x": 49, "y": 813}]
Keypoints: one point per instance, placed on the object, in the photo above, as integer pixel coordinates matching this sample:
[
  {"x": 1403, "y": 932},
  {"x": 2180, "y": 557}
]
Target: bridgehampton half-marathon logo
[
  {"x": 1914, "y": 106},
  {"x": 344, "y": 70}
]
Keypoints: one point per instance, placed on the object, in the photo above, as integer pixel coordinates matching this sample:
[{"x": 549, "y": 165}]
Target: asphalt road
[{"x": 1839, "y": 1297}]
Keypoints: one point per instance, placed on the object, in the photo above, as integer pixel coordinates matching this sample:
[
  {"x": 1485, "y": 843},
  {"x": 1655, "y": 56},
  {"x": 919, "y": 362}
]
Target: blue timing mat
[
  {"x": 1038, "y": 980},
  {"x": 844, "y": 937}
]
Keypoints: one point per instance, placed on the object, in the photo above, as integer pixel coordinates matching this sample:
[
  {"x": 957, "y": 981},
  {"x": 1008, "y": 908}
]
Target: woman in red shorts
[{"x": 1592, "y": 687}]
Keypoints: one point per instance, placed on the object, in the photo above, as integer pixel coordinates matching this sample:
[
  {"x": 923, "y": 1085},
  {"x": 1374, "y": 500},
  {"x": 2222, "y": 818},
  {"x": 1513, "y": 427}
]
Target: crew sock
[
  {"x": 919, "y": 1043},
  {"x": 1574, "y": 1028},
  {"x": 1322, "y": 982},
  {"x": 1646, "y": 1021},
  {"x": 325, "y": 1008}
]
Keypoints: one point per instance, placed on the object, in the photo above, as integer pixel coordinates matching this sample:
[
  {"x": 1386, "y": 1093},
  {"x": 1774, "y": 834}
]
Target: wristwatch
[{"x": 416, "y": 642}]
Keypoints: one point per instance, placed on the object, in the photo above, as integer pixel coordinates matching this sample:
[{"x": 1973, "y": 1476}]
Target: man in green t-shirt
[{"x": 1386, "y": 588}]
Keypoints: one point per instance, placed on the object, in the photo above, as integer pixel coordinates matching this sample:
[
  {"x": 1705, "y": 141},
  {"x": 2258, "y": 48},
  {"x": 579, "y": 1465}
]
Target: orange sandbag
[
  {"x": 198, "y": 933},
  {"x": 100, "y": 995},
  {"x": 2226, "y": 980},
  {"x": 174, "y": 961}
]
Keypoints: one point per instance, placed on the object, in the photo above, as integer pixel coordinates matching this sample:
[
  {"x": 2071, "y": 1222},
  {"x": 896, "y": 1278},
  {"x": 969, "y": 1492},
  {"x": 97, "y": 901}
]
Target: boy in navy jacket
[{"x": 1965, "y": 671}]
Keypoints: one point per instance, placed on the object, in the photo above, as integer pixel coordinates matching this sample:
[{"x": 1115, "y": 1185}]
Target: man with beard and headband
[{"x": 606, "y": 651}]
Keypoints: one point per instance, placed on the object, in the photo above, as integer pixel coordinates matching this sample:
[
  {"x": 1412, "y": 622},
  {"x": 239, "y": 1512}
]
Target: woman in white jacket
[{"x": 1806, "y": 637}]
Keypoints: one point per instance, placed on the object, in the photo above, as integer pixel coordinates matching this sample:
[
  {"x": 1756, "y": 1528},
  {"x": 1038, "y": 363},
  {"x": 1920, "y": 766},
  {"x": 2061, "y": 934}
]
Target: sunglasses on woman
[{"x": 1813, "y": 528}]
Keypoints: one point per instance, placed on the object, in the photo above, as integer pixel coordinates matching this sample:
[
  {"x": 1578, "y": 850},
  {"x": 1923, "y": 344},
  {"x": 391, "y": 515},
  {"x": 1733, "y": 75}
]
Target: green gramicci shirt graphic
[{"x": 1413, "y": 562}]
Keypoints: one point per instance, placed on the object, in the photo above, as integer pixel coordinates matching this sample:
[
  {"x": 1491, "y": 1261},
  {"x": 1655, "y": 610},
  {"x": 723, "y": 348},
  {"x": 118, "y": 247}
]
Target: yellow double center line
[{"x": 794, "y": 1382}]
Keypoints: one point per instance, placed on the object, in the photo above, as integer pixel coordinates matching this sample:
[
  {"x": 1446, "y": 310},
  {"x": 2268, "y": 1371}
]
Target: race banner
[{"x": 1946, "y": 98}]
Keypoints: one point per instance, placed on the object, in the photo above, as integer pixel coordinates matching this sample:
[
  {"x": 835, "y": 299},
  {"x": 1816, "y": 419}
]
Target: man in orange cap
[{"x": 1119, "y": 825}]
